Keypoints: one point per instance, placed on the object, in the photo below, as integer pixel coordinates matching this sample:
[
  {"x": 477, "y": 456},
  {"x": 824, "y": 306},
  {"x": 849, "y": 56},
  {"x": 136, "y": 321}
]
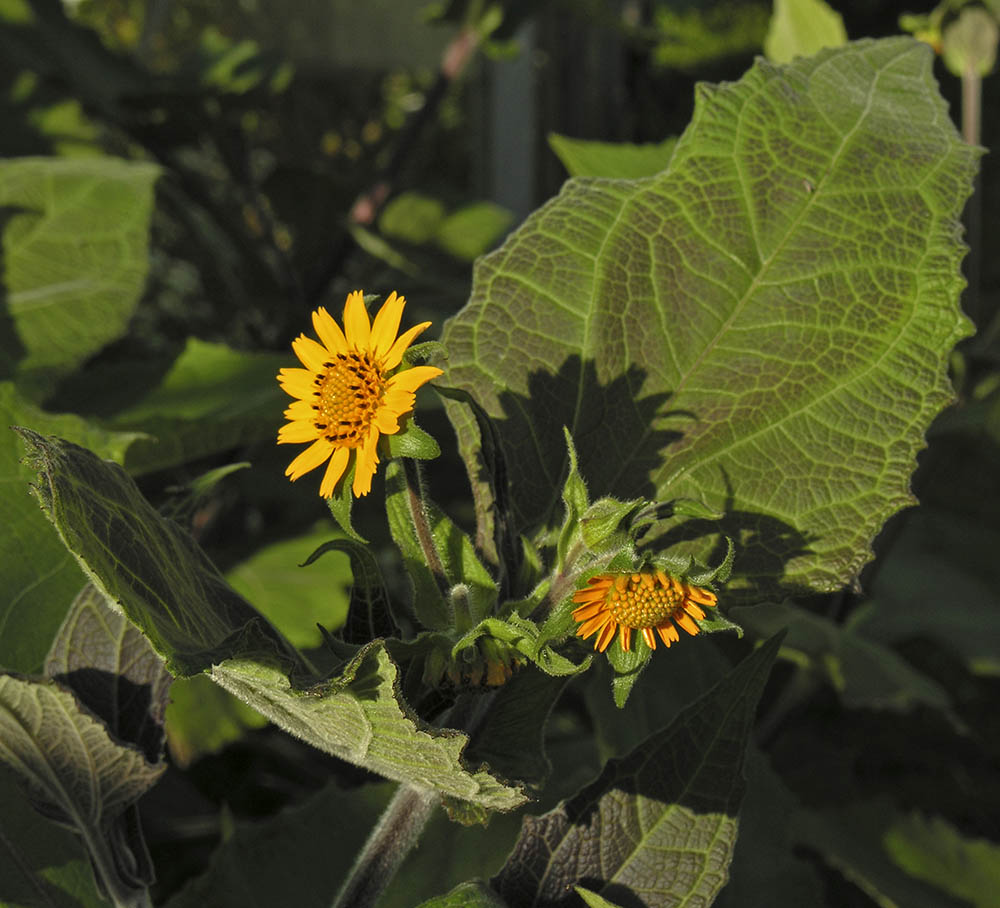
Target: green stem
[
  {"x": 418, "y": 514},
  {"x": 390, "y": 842},
  {"x": 972, "y": 108}
]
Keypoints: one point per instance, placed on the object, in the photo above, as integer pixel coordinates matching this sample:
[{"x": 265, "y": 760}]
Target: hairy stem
[
  {"x": 418, "y": 513},
  {"x": 390, "y": 842}
]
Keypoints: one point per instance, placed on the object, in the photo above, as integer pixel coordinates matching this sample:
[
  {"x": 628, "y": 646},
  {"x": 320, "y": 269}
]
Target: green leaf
[
  {"x": 864, "y": 673},
  {"x": 933, "y": 850},
  {"x": 412, "y": 441},
  {"x": 854, "y": 840},
  {"x": 593, "y": 900},
  {"x": 75, "y": 252},
  {"x": 341, "y": 502},
  {"x": 369, "y": 614},
  {"x": 474, "y": 894},
  {"x": 75, "y": 773},
  {"x": 40, "y": 863},
  {"x": 614, "y": 160},
  {"x": 473, "y": 229},
  {"x": 113, "y": 671},
  {"x": 575, "y": 501},
  {"x": 782, "y": 299},
  {"x": 511, "y": 738},
  {"x": 524, "y": 636},
  {"x": 969, "y": 44},
  {"x": 664, "y": 815},
  {"x": 211, "y": 399},
  {"x": 412, "y": 217},
  {"x": 292, "y": 597},
  {"x": 801, "y": 28},
  {"x": 358, "y": 717},
  {"x": 146, "y": 564},
  {"x": 38, "y": 577}
]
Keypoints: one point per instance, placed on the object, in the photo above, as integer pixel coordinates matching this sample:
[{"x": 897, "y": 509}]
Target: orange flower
[
  {"x": 647, "y": 601},
  {"x": 346, "y": 396}
]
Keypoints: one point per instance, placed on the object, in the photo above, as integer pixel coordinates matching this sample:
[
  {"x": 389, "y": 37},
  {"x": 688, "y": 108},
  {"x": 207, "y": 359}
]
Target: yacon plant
[{"x": 673, "y": 395}]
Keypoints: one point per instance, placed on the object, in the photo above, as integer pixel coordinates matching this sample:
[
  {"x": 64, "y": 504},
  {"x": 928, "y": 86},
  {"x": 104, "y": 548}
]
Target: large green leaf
[
  {"x": 615, "y": 160},
  {"x": 212, "y": 398},
  {"x": 359, "y": 718},
  {"x": 145, "y": 563},
  {"x": 38, "y": 577},
  {"x": 658, "y": 827},
  {"x": 75, "y": 259},
  {"x": 763, "y": 327},
  {"x": 74, "y": 772}
]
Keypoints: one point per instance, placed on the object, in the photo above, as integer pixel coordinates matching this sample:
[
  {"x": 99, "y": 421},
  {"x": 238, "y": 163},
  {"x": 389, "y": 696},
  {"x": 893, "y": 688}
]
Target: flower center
[
  {"x": 349, "y": 391},
  {"x": 643, "y": 600}
]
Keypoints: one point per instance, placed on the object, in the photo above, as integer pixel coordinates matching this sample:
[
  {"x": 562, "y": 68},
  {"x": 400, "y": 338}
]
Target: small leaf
[
  {"x": 801, "y": 28},
  {"x": 359, "y": 717},
  {"x": 574, "y": 496},
  {"x": 411, "y": 217},
  {"x": 593, "y": 900},
  {"x": 76, "y": 774},
  {"x": 658, "y": 825},
  {"x": 293, "y": 599},
  {"x": 412, "y": 441},
  {"x": 474, "y": 894},
  {"x": 615, "y": 160},
  {"x": 474, "y": 229},
  {"x": 369, "y": 614},
  {"x": 969, "y": 44},
  {"x": 342, "y": 501},
  {"x": 524, "y": 636},
  {"x": 146, "y": 564}
]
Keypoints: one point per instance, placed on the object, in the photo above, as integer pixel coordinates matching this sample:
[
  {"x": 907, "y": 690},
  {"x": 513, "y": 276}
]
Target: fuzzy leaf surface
[
  {"x": 658, "y": 827},
  {"x": 142, "y": 562},
  {"x": 780, "y": 302},
  {"x": 359, "y": 718}
]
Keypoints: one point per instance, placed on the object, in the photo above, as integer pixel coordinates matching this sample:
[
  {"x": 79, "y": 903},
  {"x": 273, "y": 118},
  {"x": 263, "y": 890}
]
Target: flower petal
[
  {"x": 300, "y": 409},
  {"x": 625, "y": 638},
  {"x": 357, "y": 326},
  {"x": 311, "y": 354},
  {"x": 297, "y": 382},
  {"x": 297, "y": 433},
  {"x": 309, "y": 459},
  {"x": 686, "y": 622},
  {"x": 364, "y": 468},
  {"x": 386, "y": 421},
  {"x": 386, "y": 324},
  {"x": 649, "y": 637},
  {"x": 668, "y": 634},
  {"x": 605, "y": 637},
  {"x": 329, "y": 331},
  {"x": 411, "y": 379},
  {"x": 335, "y": 469},
  {"x": 395, "y": 355}
]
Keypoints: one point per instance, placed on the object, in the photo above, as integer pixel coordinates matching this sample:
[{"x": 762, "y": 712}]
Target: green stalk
[{"x": 390, "y": 842}]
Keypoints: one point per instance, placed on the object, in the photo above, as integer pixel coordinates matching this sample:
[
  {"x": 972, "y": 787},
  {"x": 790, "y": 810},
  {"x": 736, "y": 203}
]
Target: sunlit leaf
[
  {"x": 75, "y": 259},
  {"x": 779, "y": 303},
  {"x": 359, "y": 718},
  {"x": 614, "y": 160},
  {"x": 800, "y": 28}
]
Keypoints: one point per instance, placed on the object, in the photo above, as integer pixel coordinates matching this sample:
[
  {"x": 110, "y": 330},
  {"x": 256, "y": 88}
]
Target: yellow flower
[
  {"x": 346, "y": 396},
  {"x": 648, "y": 601}
]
